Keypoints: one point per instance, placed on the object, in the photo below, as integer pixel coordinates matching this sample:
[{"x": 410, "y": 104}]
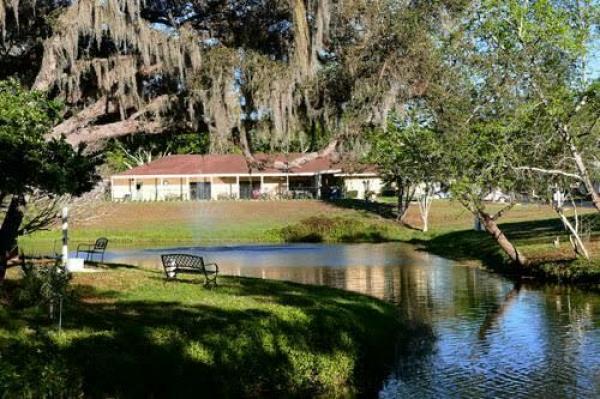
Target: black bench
[{"x": 175, "y": 264}]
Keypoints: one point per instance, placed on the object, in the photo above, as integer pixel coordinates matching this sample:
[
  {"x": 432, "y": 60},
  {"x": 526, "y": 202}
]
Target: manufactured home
[{"x": 215, "y": 177}]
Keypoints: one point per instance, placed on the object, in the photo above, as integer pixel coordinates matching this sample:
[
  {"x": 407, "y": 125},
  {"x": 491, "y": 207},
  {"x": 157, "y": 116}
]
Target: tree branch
[
  {"x": 81, "y": 119},
  {"x": 556, "y": 172},
  {"x": 308, "y": 157}
]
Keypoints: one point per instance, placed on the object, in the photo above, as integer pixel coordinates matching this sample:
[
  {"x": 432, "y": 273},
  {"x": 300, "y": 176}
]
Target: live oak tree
[
  {"x": 285, "y": 75},
  {"x": 32, "y": 166}
]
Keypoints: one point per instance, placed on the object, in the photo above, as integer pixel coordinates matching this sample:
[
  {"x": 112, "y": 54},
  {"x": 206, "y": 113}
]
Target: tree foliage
[
  {"x": 31, "y": 165},
  {"x": 410, "y": 155},
  {"x": 280, "y": 75}
]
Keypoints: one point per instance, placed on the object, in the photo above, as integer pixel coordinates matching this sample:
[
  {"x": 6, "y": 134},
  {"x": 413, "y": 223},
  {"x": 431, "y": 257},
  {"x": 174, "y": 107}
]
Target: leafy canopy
[
  {"x": 408, "y": 149},
  {"x": 27, "y": 160}
]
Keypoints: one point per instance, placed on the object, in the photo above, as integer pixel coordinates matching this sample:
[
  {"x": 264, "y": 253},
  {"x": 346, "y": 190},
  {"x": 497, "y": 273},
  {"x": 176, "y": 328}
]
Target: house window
[{"x": 138, "y": 186}]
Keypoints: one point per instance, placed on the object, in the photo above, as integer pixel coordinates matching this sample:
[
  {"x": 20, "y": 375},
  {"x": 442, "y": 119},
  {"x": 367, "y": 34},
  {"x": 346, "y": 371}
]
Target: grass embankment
[
  {"x": 130, "y": 334},
  {"x": 532, "y": 228},
  {"x": 202, "y": 223}
]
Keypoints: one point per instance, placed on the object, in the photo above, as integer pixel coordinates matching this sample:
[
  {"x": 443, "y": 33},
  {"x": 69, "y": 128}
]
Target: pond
[{"x": 485, "y": 335}]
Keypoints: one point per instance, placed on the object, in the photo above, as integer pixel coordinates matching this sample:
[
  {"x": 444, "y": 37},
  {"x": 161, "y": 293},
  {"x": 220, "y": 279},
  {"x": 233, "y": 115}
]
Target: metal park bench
[
  {"x": 99, "y": 247},
  {"x": 175, "y": 264}
]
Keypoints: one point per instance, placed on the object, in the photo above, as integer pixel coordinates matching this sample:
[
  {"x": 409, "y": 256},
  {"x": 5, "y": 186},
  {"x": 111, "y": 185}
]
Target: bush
[
  {"x": 42, "y": 285},
  {"x": 336, "y": 229}
]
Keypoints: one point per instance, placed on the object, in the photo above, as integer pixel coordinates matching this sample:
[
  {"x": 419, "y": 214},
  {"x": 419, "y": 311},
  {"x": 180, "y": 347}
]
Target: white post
[
  {"x": 237, "y": 190},
  {"x": 262, "y": 184},
  {"x": 112, "y": 188},
  {"x": 318, "y": 186},
  {"x": 65, "y": 235}
]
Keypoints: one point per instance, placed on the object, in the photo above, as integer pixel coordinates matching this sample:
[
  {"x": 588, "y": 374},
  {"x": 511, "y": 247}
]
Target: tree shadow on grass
[
  {"x": 386, "y": 211},
  {"x": 247, "y": 338},
  {"x": 467, "y": 245}
]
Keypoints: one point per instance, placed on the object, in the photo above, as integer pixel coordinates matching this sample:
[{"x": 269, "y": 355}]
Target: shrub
[
  {"x": 42, "y": 285},
  {"x": 335, "y": 229},
  {"x": 352, "y": 194}
]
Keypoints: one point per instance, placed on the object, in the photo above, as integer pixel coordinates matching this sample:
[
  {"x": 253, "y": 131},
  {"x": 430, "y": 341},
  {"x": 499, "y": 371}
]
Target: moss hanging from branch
[{"x": 340, "y": 66}]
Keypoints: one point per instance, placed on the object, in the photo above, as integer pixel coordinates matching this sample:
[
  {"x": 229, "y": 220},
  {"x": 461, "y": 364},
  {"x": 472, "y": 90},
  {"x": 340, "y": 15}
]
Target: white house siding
[
  {"x": 119, "y": 188},
  {"x": 272, "y": 185},
  {"x": 222, "y": 187},
  {"x": 362, "y": 184},
  {"x": 225, "y": 187}
]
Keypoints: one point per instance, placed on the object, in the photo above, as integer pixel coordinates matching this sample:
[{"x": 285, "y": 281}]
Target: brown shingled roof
[{"x": 228, "y": 164}]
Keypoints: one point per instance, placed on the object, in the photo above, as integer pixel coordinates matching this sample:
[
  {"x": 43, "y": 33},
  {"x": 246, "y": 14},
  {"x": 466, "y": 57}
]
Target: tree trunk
[
  {"x": 401, "y": 209},
  {"x": 10, "y": 231},
  {"x": 425, "y": 201},
  {"x": 492, "y": 228},
  {"x": 405, "y": 195},
  {"x": 581, "y": 167}
]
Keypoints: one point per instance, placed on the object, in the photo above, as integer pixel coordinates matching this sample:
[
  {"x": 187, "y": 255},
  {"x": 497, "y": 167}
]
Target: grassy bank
[
  {"x": 130, "y": 334},
  {"x": 533, "y": 228},
  {"x": 203, "y": 223}
]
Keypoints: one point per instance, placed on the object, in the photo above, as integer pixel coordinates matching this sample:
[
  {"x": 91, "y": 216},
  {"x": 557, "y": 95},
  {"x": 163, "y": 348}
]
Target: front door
[{"x": 200, "y": 191}]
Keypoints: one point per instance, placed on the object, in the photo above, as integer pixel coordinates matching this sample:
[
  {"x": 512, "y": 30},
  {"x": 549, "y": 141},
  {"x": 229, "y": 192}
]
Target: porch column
[
  {"x": 262, "y": 183},
  {"x": 237, "y": 183},
  {"x": 134, "y": 189},
  {"x": 318, "y": 178},
  {"x": 162, "y": 184},
  {"x": 187, "y": 188},
  {"x": 212, "y": 191},
  {"x": 112, "y": 189},
  {"x": 181, "y": 189}
]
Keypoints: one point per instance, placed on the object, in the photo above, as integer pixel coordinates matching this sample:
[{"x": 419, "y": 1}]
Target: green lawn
[
  {"x": 533, "y": 228},
  {"x": 131, "y": 334}
]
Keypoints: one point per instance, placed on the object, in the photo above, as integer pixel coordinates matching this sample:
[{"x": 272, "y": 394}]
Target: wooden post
[{"x": 65, "y": 236}]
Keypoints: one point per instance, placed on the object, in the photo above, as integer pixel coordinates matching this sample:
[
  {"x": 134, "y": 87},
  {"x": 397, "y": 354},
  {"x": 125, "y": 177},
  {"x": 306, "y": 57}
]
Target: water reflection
[{"x": 476, "y": 334}]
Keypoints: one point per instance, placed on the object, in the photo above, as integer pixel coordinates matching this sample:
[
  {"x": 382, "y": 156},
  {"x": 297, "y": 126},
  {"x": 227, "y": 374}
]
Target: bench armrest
[
  {"x": 212, "y": 264},
  {"x": 88, "y": 246}
]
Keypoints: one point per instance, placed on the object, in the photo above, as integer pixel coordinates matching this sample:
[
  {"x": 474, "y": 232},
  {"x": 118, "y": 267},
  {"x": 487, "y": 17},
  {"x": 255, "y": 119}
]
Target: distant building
[{"x": 205, "y": 177}]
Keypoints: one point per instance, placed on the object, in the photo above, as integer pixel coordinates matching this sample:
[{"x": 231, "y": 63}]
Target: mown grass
[
  {"x": 533, "y": 229},
  {"x": 131, "y": 334}
]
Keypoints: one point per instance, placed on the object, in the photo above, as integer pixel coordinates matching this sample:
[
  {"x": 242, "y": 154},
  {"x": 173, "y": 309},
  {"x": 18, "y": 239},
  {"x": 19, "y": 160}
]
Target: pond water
[{"x": 484, "y": 336}]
